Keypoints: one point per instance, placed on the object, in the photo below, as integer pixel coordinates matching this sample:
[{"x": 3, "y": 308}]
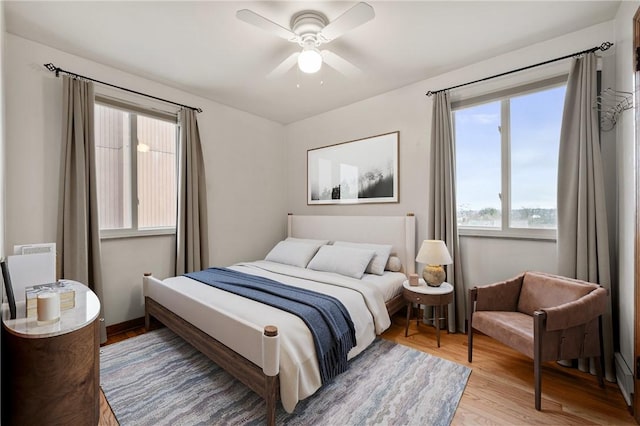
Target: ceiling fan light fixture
[
  {"x": 310, "y": 60},
  {"x": 310, "y": 29}
]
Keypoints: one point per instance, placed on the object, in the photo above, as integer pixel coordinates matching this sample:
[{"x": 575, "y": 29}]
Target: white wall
[
  {"x": 244, "y": 161},
  {"x": 408, "y": 110},
  {"x": 627, "y": 191}
]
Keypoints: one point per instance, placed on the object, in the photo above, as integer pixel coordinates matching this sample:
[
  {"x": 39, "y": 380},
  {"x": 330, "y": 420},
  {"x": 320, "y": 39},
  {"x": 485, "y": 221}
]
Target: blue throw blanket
[{"x": 328, "y": 320}]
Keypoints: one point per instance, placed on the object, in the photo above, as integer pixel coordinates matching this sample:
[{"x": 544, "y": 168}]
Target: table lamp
[{"x": 433, "y": 254}]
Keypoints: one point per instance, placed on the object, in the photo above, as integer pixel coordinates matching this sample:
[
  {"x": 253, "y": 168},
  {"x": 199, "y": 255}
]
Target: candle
[
  {"x": 413, "y": 279},
  {"x": 48, "y": 306}
]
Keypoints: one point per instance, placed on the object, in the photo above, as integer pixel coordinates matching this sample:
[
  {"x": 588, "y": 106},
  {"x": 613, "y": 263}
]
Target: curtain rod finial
[
  {"x": 606, "y": 45},
  {"x": 429, "y": 93},
  {"x": 52, "y": 68}
]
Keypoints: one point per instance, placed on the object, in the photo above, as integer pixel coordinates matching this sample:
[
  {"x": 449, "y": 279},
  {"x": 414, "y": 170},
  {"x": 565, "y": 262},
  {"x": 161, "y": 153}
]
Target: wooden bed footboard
[{"x": 267, "y": 387}]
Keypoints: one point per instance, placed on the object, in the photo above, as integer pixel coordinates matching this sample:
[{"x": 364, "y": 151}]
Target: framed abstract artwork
[{"x": 360, "y": 171}]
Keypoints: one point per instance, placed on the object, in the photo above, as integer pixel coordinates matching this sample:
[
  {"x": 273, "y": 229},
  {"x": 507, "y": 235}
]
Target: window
[
  {"x": 507, "y": 161},
  {"x": 136, "y": 169}
]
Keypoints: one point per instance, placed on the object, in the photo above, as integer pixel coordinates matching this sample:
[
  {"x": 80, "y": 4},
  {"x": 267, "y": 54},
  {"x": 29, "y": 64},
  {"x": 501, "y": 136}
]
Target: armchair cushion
[
  {"x": 578, "y": 312},
  {"x": 501, "y": 296},
  {"x": 514, "y": 329},
  {"x": 540, "y": 291}
]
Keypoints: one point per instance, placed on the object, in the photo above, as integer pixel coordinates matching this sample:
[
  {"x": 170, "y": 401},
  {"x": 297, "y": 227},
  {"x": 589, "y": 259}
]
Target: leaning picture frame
[
  {"x": 359, "y": 171},
  {"x": 8, "y": 288}
]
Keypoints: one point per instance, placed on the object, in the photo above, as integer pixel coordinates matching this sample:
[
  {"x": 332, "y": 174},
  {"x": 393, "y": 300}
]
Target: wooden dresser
[{"x": 51, "y": 373}]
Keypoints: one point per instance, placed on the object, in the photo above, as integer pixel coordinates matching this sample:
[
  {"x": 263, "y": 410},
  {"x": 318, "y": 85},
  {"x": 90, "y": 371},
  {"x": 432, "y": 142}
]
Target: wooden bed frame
[{"x": 253, "y": 376}]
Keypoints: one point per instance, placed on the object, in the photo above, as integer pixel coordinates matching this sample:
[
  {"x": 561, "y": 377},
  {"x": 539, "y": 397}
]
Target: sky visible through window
[{"x": 534, "y": 140}]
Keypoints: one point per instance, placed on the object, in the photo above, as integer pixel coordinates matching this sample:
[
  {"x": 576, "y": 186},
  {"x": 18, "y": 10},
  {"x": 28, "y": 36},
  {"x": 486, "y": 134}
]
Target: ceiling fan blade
[
  {"x": 284, "y": 66},
  {"x": 340, "y": 64},
  {"x": 356, "y": 16},
  {"x": 263, "y": 23}
]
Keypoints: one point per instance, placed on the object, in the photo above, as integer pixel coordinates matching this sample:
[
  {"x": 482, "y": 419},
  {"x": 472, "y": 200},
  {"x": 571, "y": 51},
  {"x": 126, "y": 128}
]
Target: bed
[{"x": 270, "y": 351}]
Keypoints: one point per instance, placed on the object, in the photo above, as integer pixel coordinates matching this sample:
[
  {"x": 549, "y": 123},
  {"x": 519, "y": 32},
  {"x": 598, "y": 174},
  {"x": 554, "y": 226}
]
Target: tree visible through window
[
  {"x": 136, "y": 169},
  {"x": 507, "y": 161}
]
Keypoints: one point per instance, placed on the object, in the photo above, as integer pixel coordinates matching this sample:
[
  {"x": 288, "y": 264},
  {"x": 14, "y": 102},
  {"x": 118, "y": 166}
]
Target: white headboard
[{"x": 399, "y": 231}]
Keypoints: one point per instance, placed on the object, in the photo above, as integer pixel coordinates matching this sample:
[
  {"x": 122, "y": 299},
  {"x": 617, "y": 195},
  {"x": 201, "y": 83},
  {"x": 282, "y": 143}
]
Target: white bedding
[
  {"x": 234, "y": 320},
  {"x": 389, "y": 284}
]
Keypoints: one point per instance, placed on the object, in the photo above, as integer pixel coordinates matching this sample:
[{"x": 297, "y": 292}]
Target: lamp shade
[
  {"x": 310, "y": 60},
  {"x": 434, "y": 252}
]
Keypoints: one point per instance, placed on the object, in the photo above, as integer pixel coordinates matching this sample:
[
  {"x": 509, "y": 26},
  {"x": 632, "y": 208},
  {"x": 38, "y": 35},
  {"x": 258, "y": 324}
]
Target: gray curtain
[
  {"x": 583, "y": 248},
  {"x": 78, "y": 239},
  {"x": 441, "y": 214},
  {"x": 192, "y": 241}
]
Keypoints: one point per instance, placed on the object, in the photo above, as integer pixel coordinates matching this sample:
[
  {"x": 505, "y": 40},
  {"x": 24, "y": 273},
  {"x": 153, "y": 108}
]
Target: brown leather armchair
[{"x": 544, "y": 316}]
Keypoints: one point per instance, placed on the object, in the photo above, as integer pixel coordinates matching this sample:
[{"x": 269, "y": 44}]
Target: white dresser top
[{"x": 86, "y": 310}]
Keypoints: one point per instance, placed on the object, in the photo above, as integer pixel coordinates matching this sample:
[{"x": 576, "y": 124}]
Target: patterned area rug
[{"x": 159, "y": 379}]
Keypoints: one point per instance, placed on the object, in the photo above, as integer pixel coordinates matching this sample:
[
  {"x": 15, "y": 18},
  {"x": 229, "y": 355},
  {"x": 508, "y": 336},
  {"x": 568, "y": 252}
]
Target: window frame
[
  {"x": 134, "y": 110},
  {"x": 504, "y": 96}
]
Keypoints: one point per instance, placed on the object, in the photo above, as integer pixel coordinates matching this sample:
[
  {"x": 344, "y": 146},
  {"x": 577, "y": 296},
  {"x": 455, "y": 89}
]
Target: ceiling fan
[{"x": 310, "y": 29}]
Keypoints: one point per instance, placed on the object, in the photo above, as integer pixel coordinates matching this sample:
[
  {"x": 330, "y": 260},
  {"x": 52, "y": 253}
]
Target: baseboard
[
  {"x": 125, "y": 326},
  {"x": 624, "y": 377}
]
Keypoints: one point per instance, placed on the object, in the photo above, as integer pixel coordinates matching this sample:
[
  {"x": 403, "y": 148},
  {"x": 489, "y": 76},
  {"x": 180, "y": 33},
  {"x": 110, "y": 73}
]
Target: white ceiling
[{"x": 201, "y": 47}]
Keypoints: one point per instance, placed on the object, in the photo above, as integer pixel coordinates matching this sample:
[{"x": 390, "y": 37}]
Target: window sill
[
  {"x": 512, "y": 234},
  {"x": 129, "y": 233}
]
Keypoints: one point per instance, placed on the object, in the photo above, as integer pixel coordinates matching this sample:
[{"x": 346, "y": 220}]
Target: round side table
[
  {"x": 51, "y": 372},
  {"x": 422, "y": 294}
]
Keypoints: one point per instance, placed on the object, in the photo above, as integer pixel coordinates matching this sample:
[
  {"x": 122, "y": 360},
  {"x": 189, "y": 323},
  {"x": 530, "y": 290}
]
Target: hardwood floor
[
  {"x": 500, "y": 388},
  {"x": 107, "y": 418}
]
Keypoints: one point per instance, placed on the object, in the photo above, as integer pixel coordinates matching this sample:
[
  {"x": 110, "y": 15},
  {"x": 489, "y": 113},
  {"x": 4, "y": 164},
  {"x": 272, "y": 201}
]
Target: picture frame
[
  {"x": 355, "y": 172},
  {"x": 8, "y": 288}
]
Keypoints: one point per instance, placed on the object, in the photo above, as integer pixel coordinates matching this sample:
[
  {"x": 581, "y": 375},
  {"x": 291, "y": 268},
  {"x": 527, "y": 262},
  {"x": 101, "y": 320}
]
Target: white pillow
[
  {"x": 342, "y": 260},
  {"x": 308, "y": 241},
  {"x": 292, "y": 253},
  {"x": 394, "y": 264},
  {"x": 379, "y": 261}
]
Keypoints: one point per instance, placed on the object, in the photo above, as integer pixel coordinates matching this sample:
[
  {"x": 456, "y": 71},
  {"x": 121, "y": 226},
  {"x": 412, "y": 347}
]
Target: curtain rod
[
  {"x": 58, "y": 70},
  {"x": 604, "y": 46}
]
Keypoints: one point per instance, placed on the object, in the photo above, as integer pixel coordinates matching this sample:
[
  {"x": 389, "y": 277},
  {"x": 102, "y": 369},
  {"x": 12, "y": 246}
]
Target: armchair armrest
[
  {"x": 578, "y": 312},
  {"x": 501, "y": 296}
]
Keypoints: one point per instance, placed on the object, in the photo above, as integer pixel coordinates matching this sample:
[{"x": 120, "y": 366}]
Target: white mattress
[{"x": 238, "y": 322}]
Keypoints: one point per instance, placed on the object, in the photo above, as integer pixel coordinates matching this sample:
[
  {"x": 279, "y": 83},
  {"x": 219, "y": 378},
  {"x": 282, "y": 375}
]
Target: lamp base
[{"x": 433, "y": 275}]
